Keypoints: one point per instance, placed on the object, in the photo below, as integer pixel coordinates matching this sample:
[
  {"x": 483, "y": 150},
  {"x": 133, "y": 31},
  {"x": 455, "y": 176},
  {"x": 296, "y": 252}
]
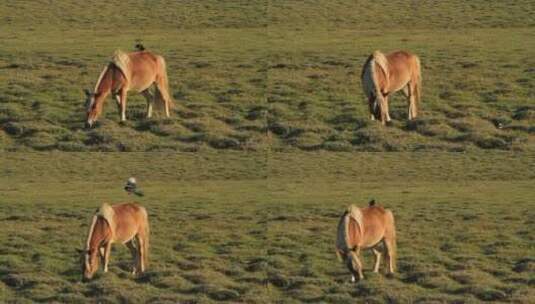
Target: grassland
[
  {"x": 277, "y": 75},
  {"x": 238, "y": 227},
  {"x": 268, "y": 142}
]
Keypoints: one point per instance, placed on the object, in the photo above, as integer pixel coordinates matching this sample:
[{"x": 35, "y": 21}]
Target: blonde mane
[
  {"x": 342, "y": 240},
  {"x": 381, "y": 60},
  {"x": 107, "y": 213},
  {"x": 93, "y": 222},
  {"x": 355, "y": 213},
  {"x": 100, "y": 78},
  {"x": 121, "y": 60}
]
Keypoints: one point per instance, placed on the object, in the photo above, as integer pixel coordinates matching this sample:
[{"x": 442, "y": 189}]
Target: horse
[
  {"x": 366, "y": 228},
  {"x": 136, "y": 71},
  {"x": 126, "y": 223},
  {"x": 383, "y": 75}
]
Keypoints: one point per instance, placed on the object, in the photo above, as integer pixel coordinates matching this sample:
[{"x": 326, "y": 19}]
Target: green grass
[
  {"x": 257, "y": 75},
  {"x": 268, "y": 97},
  {"x": 243, "y": 227}
]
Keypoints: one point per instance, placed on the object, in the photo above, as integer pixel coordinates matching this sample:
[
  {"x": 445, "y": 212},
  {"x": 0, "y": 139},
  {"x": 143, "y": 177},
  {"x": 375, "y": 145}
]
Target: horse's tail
[
  {"x": 391, "y": 230},
  {"x": 418, "y": 81},
  {"x": 146, "y": 232},
  {"x": 162, "y": 88}
]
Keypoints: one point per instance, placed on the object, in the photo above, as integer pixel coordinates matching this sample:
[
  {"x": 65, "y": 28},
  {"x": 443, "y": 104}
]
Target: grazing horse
[
  {"x": 383, "y": 75},
  {"x": 125, "y": 223},
  {"x": 136, "y": 71},
  {"x": 363, "y": 228}
]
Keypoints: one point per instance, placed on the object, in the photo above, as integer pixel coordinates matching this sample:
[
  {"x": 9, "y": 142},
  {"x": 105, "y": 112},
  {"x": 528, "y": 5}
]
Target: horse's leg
[
  {"x": 407, "y": 92},
  {"x": 377, "y": 259},
  {"x": 389, "y": 250},
  {"x": 149, "y": 98},
  {"x": 102, "y": 252},
  {"x": 134, "y": 252},
  {"x": 387, "y": 110},
  {"x": 117, "y": 98},
  {"x": 122, "y": 104},
  {"x": 412, "y": 101},
  {"x": 141, "y": 252},
  {"x": 383, "y": 104},
  {"x": 106, "y": 255},
  {"x": 122, "y": 110}
]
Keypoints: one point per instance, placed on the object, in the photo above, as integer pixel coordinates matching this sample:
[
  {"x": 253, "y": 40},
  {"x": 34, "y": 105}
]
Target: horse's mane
[
  {"x": 107, "y": 213},
  {"x": 381, "y": 60},
  {"x": 100, "y": 78},
  {"x": 122, "y": 61},
  {"x": 354, "y": 212},
  {"x": 91, "y": 228}
]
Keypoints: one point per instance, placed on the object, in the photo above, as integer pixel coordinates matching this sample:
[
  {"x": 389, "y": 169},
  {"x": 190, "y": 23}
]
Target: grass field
[
  {"x": 238, "y": 227},
  {"x": 257, "y": 75},
  {"x": 268, "y": 142}
]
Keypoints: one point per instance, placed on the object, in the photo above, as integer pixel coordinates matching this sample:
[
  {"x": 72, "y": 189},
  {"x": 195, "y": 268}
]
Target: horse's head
[
  {"x": 89, "y": 261},
  {"x": 375, "y": 108},
  {"x": 92, "y": 108}
]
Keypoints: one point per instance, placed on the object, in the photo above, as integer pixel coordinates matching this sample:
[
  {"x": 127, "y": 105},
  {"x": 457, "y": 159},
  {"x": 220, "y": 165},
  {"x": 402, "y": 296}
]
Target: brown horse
[
  {"x": 125, "y": 223},
  {"x": 363, "y": 228},
  {"x": 136, "y": 71},
  {"x": 383, "y": 75}
]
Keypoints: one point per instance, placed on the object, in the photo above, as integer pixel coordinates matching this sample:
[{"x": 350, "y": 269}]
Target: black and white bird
[
  {"x": 131, "y": 187},
  {"x": 140, "y": 47}
]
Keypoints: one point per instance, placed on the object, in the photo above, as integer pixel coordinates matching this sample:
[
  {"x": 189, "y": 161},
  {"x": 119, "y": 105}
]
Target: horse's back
[
  {"x": 125, "y": 210},
  {"x": 129, "y": 218},
  {"x": 376, "y": 222},
  {"x": 401, "y": 67},
  {"x": 145, "y": 67},
  {"x": 401, "y": 60},
  {"x": 143, "y": 56},
  {"x": 400, "y": 56}
]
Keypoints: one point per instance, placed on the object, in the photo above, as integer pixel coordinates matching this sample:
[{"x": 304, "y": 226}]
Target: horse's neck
[
  {"x": 105, "y": 81},
  {"x": 99, "y": 234}
]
